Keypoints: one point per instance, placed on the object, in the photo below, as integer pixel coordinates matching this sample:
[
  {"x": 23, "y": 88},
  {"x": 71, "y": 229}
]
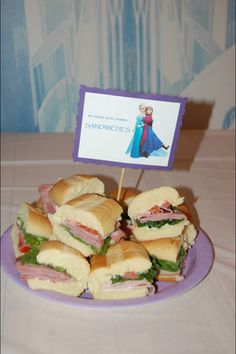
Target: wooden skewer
[{"x": 120, "y": 184}]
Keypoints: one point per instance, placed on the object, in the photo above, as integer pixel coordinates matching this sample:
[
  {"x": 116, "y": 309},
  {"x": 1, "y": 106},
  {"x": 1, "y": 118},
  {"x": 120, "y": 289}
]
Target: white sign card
[{"x": 127, "y": 129}]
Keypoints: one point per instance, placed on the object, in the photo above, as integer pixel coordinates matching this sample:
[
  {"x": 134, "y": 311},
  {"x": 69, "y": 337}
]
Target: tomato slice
[{"x": 25, "y": 248}]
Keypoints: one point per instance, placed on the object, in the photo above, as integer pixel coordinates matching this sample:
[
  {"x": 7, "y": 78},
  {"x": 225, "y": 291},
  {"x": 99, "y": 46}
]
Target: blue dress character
[
  {"x": 149, "y": 141},
  {"x": 134, "y": 146}
]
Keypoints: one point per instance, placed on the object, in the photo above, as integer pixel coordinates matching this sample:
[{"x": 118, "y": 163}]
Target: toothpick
[{"x": 120, "y": 184}]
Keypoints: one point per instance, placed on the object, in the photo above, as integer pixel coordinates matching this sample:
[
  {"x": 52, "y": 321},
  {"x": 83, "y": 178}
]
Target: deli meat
[
  {"x": 117, "y": 235},
  {"x": 29, "y": 271},
  {"x": 90, "y": 236},
  {"x": 161, "y": 213},
  {"x": 49, "y": 206}
]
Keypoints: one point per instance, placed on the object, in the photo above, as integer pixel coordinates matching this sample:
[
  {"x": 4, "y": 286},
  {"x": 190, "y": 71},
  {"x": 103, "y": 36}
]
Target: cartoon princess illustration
[
  {"x": 134, "y": 146},
  {"x": 149, "y": 141}
]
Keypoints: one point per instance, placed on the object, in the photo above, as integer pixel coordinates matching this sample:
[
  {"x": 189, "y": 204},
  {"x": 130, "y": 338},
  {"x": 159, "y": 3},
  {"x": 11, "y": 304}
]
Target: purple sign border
[{"x": 84, "y": 89}]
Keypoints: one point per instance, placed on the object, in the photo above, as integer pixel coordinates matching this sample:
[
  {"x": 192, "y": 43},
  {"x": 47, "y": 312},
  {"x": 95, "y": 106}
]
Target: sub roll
[
  {"x": 56, "y": 267},
  {"x": 155, "y": 214},
  {"x": 53, "y": 195},
  {"x": 125, "y": 272},
  {"x": 88, "y": 223}
]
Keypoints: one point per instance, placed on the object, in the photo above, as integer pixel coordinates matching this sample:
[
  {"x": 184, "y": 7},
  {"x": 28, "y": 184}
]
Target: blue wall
[{"x": 174, "y": 47}]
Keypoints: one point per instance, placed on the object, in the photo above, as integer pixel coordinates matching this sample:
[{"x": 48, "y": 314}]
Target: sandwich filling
[
  {"x": 49, "y": 207},
  {"x": 158, "y": 216},
  {"x": 26, "y": 241},
  {"x": 91, "y": 237},
  {"x": 132, "y": 279},
  {"x": 170, "y": 269},
  {"x": 54, "y": 274}
]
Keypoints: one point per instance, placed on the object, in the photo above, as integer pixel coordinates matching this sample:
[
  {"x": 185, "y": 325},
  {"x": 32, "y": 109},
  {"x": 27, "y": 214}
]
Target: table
[{"x": 199, "y": 321}]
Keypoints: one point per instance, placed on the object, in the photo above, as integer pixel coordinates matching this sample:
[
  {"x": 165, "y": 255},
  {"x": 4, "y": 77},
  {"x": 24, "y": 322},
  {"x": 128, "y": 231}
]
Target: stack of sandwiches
[
  {"x": 73, "y": 239},
  {"x": 161, "y": 223}
]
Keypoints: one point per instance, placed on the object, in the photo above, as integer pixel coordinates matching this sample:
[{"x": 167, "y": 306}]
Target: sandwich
[
  {"x": 88, "y": 223},
  {"x": 56, "y": 267},
  {"x": 170, "y": 255},
  {"x": 125, "y": 272},
  {"x": 155, "y": 214},
  {"x": 53, "y": 195},
  {"x": 31, "y": 228}
]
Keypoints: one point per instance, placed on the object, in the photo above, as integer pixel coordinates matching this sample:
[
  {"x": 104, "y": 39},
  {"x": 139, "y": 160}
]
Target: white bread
[
  {"x": 146, "y": 200},
  {"x": 165, "y": 248},
  {"x": 146, "y": 234},
  {"x": 125, "y": 256},
  {"x": 55, "y": 253},
  {"x": 72, "y": 187},
  {"x": 35, "y": 223},
  {"x": 92, "y": 210},
  {"x": 75, "y": 288}
]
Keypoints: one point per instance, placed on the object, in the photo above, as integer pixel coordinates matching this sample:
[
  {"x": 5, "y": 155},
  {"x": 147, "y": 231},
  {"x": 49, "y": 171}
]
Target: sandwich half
[
  {"x": 125, "y": 272},
  {"x": 88, "y": 223},
  {"x": 53, "y": 195},
  {"x": 31, "y": 228},
  {"x": 171, "y": 254},
  {"x": 155, "y": 214},
  {"x": 56, "y": 267}
]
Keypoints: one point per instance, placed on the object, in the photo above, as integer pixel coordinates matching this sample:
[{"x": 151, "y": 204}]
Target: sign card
[{"x": 127, "y": 129}]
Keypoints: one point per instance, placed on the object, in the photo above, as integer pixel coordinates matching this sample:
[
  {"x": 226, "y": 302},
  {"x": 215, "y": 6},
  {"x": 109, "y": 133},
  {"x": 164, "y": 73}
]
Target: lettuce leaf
[
  {"x": 96, "y": 251},
  {"x": 173, "y": 266},
  {"x": 158, "y": 224}
]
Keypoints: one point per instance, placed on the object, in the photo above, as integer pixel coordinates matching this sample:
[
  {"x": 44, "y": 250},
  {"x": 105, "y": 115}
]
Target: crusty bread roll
[
  {"x": 121, "y": 258},
  {"x": 98, "y": 213},
  {"x": 71, "y": 187},
  {"x": 56, "y": 254},
  {"x": 34, "y": 223},
  {"x": 74, "y": 186},
  {"x": 145, "y": 202},
  {"x": 164, "y": 248}
]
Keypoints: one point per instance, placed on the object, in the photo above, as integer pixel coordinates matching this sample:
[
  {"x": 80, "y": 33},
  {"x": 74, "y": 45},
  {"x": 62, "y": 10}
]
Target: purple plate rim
[{"x": 199, "y": 262}]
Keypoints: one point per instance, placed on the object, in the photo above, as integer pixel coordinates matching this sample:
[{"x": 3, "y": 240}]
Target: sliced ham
[
  {"x": 29, "y": 271},
  {"x": 163, "y": 212},
  {"x": 117, "y": 235},
  {"x": 129, "y": 284},
  {"x": 49, "y": 206},
  {"x": 161, "y": 216},
  {"x": 90, "y": 236}
]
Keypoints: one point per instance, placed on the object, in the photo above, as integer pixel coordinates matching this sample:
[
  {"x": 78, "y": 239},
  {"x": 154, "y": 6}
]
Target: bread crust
[
  {"x": 122, "y": 257},
  {"x": 69, "y": 188},
  {"x": 165, "y": 248},
  {"x": 35, "y": 222}
]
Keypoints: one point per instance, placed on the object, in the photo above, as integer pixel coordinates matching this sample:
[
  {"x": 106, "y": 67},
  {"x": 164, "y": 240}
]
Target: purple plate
[{"x": 199, "y": 261}]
